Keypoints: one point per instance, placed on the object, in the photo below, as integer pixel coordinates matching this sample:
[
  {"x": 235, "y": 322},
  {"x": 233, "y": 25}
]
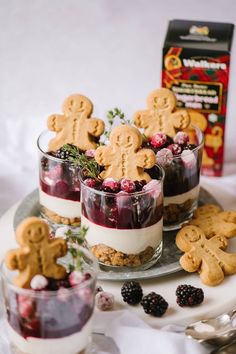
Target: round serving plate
[{"x": 168, "y": 263}]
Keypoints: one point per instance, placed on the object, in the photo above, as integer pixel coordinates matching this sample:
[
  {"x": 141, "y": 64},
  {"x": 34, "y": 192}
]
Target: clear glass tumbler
[{"x": 124, "y": 229}]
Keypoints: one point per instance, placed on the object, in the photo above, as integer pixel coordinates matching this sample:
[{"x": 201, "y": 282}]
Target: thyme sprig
[
  {"x": 74, "y": 240},
  {"x": 112, "y": 115},
  {"x": 89, "y": 166}
]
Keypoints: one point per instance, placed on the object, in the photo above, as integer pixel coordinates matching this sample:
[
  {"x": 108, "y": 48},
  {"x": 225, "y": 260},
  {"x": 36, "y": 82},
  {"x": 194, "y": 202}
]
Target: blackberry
[
  {"x": 188, "y": 295},
  {"x": 62, "y": 154},
  {"x": 154, "y": 304},
  {"x": 132, "y": 292}
]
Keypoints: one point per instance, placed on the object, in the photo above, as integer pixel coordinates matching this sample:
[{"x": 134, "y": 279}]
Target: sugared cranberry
[
  {"x": 111, "y": 185},
  {"x": 90, "y": 182},
  {"x": 175, "y": 149},
  {"x": 26, "y": 306},
  {"x": 154, "y": 186},
  {"x": 76, "y": 278},
  {"x": 188, "y": 158},
  {"x": 38, "y": 282},
  {"x": 158, "y": 140},
  {"x": 164, "y": 157},
  {"x": 90, "y": 153},
  {"x": 127, "y": 185},
  {"x": 181, "y": 138},
  {"x": 104, "y": 300}
]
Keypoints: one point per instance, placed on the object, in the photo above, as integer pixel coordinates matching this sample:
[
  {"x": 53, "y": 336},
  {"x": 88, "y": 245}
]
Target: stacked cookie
[{"x": 204, "y": 241}]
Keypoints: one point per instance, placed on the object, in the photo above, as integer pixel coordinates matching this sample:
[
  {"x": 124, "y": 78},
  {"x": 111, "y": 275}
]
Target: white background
[{"x": 109, "y": 50}]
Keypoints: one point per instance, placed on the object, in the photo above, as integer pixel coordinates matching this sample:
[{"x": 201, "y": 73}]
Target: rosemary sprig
[
  {"x": 89, "y": 166},
  {"x": 75, "y": 240}
]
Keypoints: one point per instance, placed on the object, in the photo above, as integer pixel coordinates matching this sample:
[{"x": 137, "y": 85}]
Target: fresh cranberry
[
  {"x": 175, "y": 149},
  {"x": 111, "y": 185},
  {"x": 181, "y": 138},
  {"x": 158, "y": 140},
  {"x": 90, "y": 182},
  {"x": 61, "y": 189},
  {"x": 127, "y": 185},
  {"x": 164, "y": 157}
]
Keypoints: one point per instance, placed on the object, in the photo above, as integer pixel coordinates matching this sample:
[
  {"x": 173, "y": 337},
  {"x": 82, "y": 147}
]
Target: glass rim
[
  {"x": 42, "y": 293},
  {"x": 123, "y": 193},
  {"x": 46, "y": 154}
]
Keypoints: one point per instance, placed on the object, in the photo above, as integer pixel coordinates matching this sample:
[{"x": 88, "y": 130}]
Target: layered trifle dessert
[
  {"x": 49, "y": 306},
  {"x": 123, "y": 206},
  {"x": 178, "y": 148},
  {"x": 69, "y": 135}
]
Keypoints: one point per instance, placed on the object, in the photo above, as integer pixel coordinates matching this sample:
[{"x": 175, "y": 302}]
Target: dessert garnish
[
  {"x": 124, "y": 157},
  {"x": 75, "y": 239},
  {"x": 75, "y": 126},
  {"x": 207, "y": 256},
  {"x": 131, "y": 292},
  {"x": 37, "y": 253},
  {"x": 104, "y": 300},
  {"x": 188, "y": 295},
  {"x": 154, "y": 304},
  {"x": 112, "y": 116},
  {"x": 159, "y": 115}
]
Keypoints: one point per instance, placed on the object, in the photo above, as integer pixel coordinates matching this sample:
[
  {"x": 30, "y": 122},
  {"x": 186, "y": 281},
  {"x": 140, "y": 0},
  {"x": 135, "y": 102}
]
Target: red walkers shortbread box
[{"x": 196, "y": 57}]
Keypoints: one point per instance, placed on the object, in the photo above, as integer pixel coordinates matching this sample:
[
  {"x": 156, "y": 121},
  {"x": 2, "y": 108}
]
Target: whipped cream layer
[
  {"x": 181, "y": 198},
  {"x": 128, "y": 241},
  {"x": 72, "y": 344},
  {"x": 63, "y": 207}
]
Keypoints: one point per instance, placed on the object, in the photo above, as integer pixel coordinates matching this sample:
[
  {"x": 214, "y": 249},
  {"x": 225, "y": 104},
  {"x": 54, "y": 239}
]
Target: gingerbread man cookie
[
  {"x": 124, "y": 158},
  {"x": 159, "y": 116},
  {"x": 213, "y": 221},
  {"x": 75, "y": 126},
  {"x": 205, "y": 256},
  {"x": 37, "y": 253}
]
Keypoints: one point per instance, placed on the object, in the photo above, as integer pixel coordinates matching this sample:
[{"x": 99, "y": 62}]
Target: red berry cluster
[{"x": 112, "y": 186}]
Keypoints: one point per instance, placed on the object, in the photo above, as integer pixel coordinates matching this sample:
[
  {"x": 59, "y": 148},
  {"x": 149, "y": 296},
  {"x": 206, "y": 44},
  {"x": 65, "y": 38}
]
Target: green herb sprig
[
  {"x": 74, "y": 240},
  {"x": 89, "y": 166},
  {"x": 112, "y": 115}
]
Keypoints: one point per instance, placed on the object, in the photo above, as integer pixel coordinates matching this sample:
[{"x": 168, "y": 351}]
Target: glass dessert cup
[
  {"x": 45, "y": 321},
  {"x": 182, "y": 182},
  {"x": 124, "y": 229},
  {"x": 59, "y": 186}
]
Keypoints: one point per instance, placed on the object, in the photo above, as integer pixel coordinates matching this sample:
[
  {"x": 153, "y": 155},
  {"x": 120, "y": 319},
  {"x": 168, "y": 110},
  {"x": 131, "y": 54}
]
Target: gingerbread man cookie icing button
[
  {"x": 124, "y": 157},
  {"x": 159, "y": 115},
  {"x": 75, "y": 126},
  {"x": 52, "y": 303}
]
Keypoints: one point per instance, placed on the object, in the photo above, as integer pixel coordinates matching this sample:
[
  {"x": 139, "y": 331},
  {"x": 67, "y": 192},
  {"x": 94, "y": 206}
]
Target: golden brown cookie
[
  {"x": 75, "y": 126},
  {"x": 198, "y": 119},
  {"x": 159, "y": 116},
  {"x": 124, "y": 157},
  {"x": 37, "y": 253},
  {"x": 213, "y": 221},
  {"x": 205, "y": 256}
]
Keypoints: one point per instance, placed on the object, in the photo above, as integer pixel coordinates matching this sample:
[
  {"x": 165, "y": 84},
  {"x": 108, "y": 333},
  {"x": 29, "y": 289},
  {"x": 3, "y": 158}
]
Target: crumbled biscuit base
[
  {"x": 110, "y": 256},
  {"x": 60, "y": 219},
  {"x": 176, "y": 212}
]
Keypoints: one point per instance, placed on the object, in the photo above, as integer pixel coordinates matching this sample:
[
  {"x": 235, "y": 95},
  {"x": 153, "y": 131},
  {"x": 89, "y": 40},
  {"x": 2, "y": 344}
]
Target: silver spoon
[{"x": 218, "y": 331}]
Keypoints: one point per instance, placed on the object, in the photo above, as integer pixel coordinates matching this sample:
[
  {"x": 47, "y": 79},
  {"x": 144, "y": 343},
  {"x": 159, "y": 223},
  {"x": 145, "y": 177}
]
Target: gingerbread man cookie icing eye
[
  {"x": 205, "y": 256},
  {"x": 75, "y": 126},
  {"x": 124, "y": 157},
  {"x": 37, "y": 253},
  {"x": 159, "y": 116}
]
